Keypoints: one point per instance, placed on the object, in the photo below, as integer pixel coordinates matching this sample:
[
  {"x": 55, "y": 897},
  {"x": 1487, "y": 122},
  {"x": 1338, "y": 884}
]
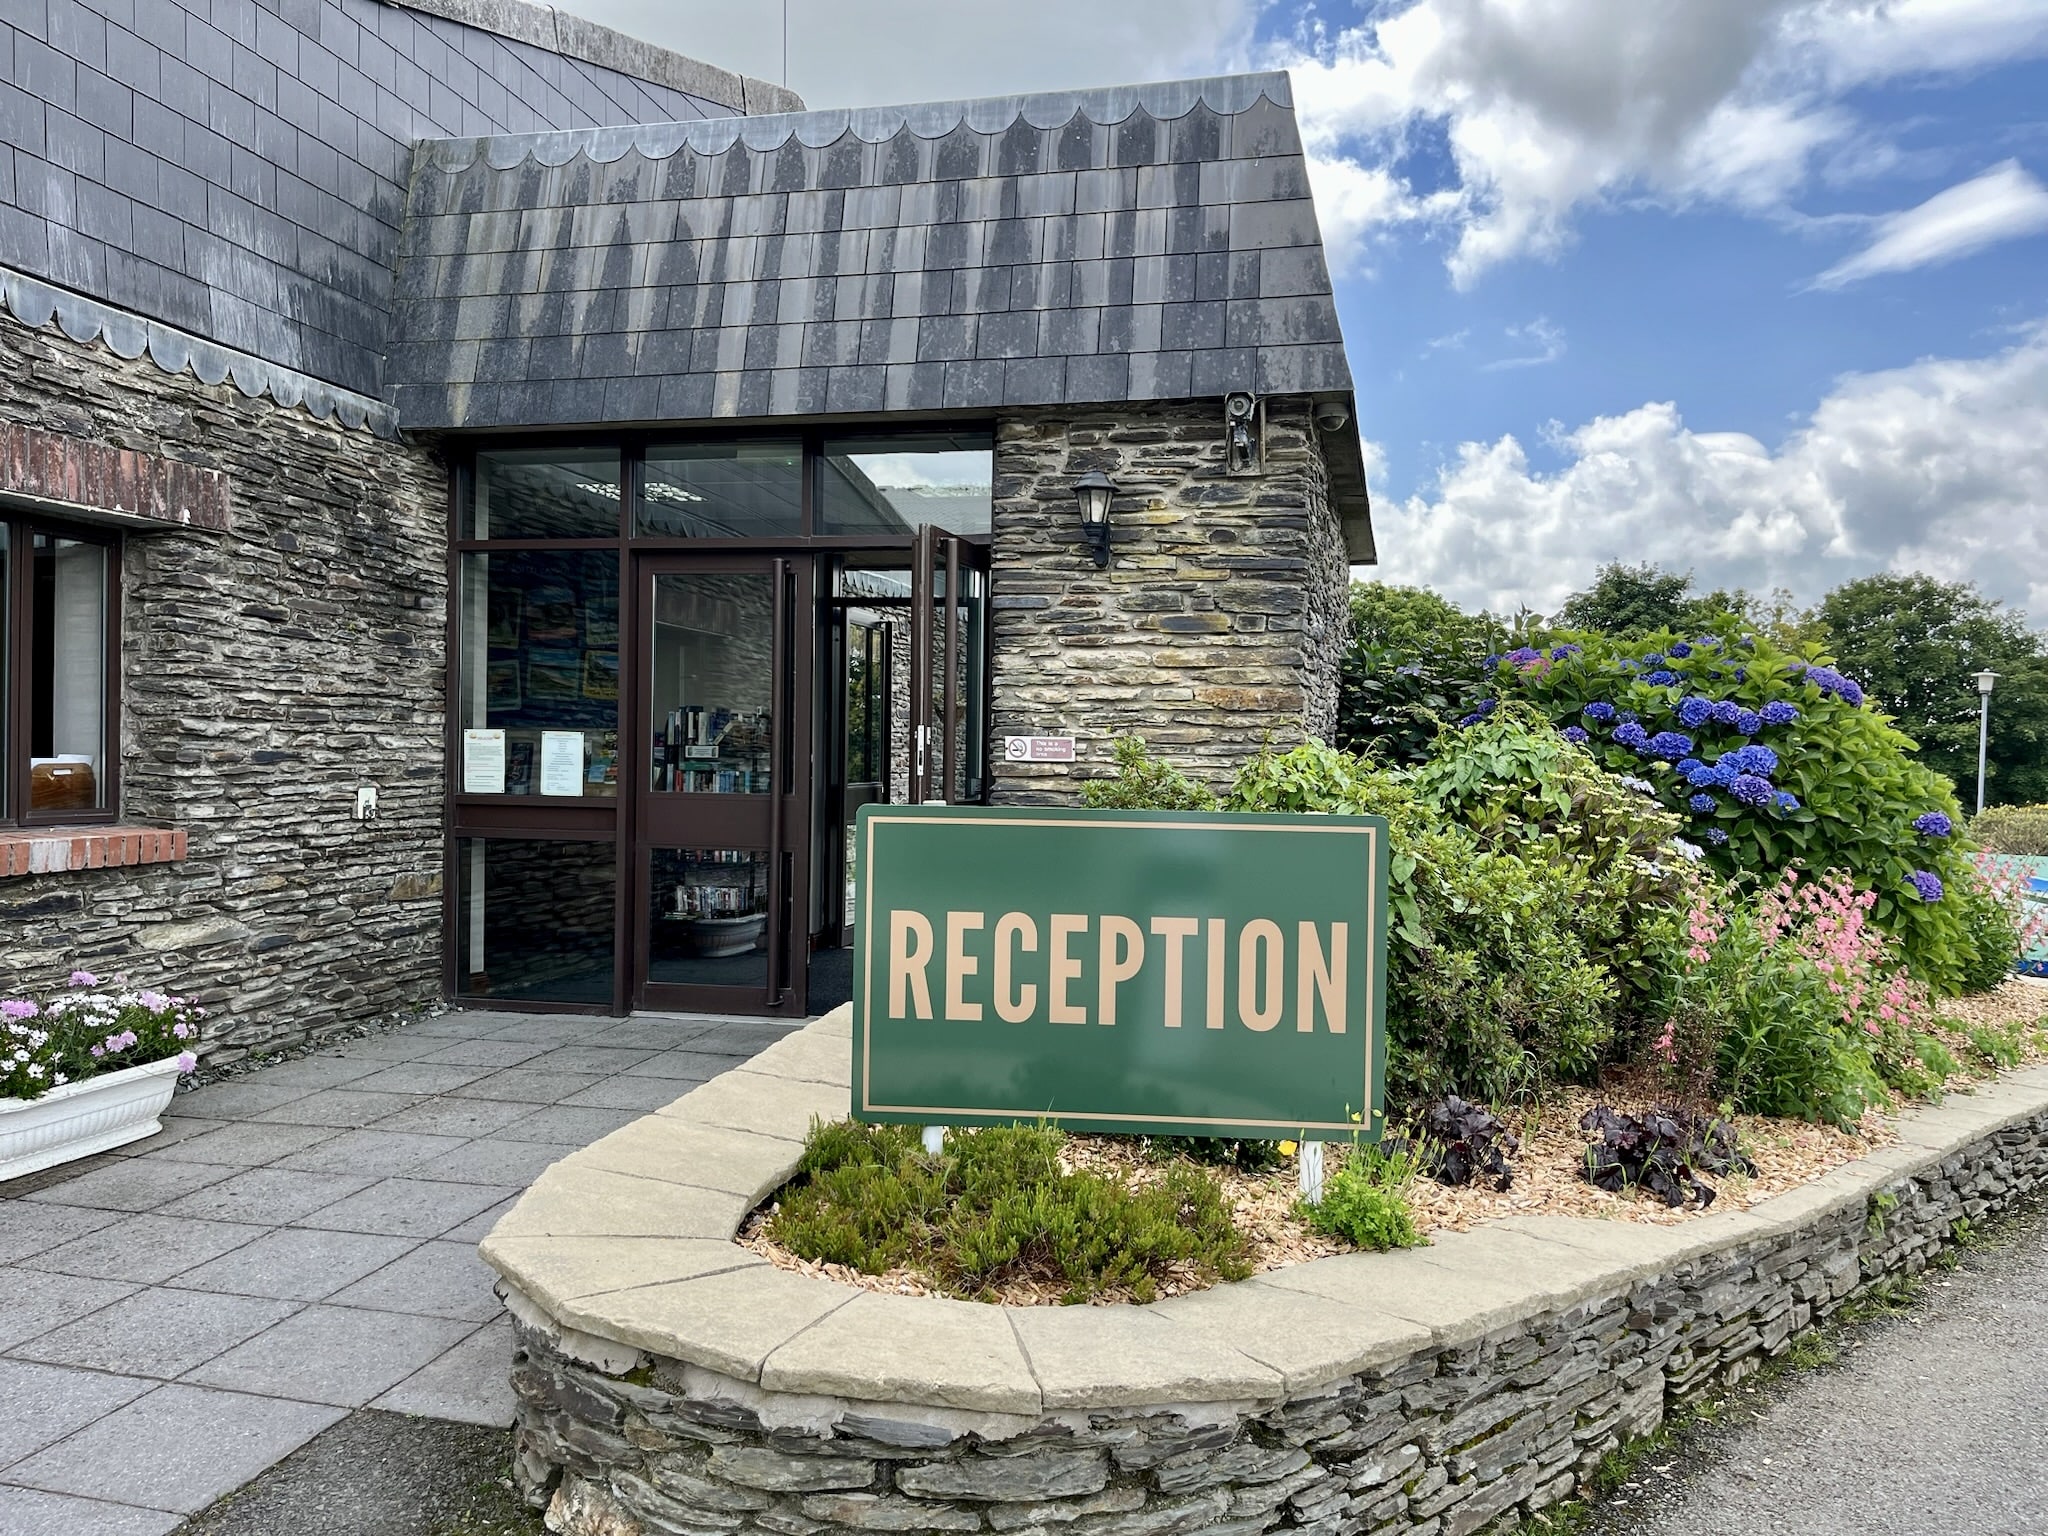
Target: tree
[
  {"x": 1414, "y": 621},
  {"x": 1627, "y": 600},
  {"x": 1414, "y": 664},
  {"x": 1914, "y": 644}
]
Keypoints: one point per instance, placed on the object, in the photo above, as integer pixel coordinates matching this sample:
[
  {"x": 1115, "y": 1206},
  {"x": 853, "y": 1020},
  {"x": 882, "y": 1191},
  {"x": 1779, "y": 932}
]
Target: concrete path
[
  {"x": 1931, "y": 1423},
  {"x": 297, "y": 1243}
]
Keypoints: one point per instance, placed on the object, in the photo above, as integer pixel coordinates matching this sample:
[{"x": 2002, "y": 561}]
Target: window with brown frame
[{"x": 59, "y": 672}]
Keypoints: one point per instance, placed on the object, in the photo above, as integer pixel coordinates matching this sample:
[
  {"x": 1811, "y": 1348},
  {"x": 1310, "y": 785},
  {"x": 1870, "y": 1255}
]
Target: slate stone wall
[
  {"x": 266, "y": 672},
  {"x": 1443, "y": 1443},
  {"x": 1219, "y": 622}
]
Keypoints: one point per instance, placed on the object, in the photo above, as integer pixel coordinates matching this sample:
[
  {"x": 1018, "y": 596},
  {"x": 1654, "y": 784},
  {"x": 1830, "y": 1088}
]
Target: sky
[{"x": 1752, "y": 288}]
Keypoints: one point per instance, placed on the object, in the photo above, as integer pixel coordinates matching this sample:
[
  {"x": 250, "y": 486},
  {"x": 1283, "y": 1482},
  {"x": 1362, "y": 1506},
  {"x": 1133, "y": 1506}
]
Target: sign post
[{"x": 1169, "y": 973}]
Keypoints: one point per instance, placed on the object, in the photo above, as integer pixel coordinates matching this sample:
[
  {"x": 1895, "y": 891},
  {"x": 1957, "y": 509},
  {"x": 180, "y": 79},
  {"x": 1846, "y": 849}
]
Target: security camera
[{"x": 1331, "y": 416}]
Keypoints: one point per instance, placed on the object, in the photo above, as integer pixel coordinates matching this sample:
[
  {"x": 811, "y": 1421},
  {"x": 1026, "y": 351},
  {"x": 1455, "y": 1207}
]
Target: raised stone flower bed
[{"x": 671, "y": 1381}]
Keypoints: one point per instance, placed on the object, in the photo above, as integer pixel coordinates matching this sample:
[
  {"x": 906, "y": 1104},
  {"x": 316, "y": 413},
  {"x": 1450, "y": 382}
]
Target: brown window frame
[{"x": 16, "y": 703}]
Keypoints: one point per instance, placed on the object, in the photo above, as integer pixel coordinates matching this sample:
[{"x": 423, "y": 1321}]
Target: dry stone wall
[
  {"x": 1499, "y": 1406},
  {"x": 267, "y": 671},
  {"x": 1219, "y": 622}
]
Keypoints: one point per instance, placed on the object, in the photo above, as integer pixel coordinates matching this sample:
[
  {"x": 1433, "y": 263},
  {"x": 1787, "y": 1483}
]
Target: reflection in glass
[
  {"x": 67, "y": 682},
  {"x": 712, "y": 683},
  {"x": 736, "y": 490},
  {"x": 895, "y": 485},
  {"x": 708, "y": 917},
  {"x": 534, "y": 919},
  {"x": 540, "y": 663},
  {"x": 551, "y": 494}
]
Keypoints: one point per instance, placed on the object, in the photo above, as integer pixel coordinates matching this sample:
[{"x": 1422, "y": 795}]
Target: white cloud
[
  {"x": 1941, "y": 466},
  {"x": 2005, "y": 203},
  {"x": 872, "y": 52},
  {"x": 1547, "y": 339},
  {"x": 1549, "y": 107}
]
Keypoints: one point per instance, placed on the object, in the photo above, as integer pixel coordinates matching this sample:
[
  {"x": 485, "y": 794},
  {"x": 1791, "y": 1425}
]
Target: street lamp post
[{"x": 1984, "y": 681}]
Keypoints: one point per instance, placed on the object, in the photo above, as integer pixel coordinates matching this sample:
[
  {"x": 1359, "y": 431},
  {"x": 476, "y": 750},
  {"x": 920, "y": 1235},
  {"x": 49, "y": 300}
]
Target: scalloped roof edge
[
  {"x": 1163, "y": 99},
  {"x": 37, "y": 304}
]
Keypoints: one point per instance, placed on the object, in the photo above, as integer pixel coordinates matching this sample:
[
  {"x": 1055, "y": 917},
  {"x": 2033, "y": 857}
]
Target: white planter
[{"x": 80, "y": 1119}]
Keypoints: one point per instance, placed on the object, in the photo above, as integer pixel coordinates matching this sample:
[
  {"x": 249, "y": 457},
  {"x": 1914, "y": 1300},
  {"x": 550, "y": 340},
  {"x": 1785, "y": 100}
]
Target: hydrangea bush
[
  {"x": 1774, "y": 760},
  {"x": 89, "y": 1029}
]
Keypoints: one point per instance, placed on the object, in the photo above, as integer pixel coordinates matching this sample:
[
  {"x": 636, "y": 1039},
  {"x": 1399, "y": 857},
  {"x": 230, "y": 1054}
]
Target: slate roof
[
  {"x": 1152, "y": 242},
  {"x": 229, "y": 176}
]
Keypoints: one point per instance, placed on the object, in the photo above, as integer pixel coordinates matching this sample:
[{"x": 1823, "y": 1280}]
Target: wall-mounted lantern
[{"x": 1091, "y": 496}]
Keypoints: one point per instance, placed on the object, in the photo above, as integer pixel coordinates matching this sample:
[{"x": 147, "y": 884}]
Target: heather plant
[
  {"x": 87, "y": 1030},
  {"x": 1143, "y": 782},
  {"x": 1774, "y": 760},
  {"x": 2012, "y": 829}
]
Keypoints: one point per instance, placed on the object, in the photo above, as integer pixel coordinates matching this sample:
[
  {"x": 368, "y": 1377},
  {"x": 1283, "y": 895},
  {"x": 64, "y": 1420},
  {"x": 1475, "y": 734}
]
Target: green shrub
[
  {"x": 1144, "y": 783},
  {"x": 1841, "y": 789},
  {"x": 996, "y": 1207},
  {"x": 1991, "y": 922},
  {"x": 1998, "y": 1047},
  {"x": 1215, "y": 1151},
  {"x": 1365, "y": 1202},
  {"x": 2014, "y": 829}
]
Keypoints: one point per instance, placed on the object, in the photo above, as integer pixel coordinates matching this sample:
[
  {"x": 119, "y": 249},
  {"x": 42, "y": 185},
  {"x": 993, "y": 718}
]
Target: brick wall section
[
  {"x": 1445, "y": 1442},
  {"x": 50, "y": 466},
  {"x": 267, "y": 671},
  {"x": 1219, "y": 622},
  {"x": 43, "y": 853}
]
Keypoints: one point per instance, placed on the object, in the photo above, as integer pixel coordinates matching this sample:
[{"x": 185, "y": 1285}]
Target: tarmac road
[{"x": 1934, "y": 1423}]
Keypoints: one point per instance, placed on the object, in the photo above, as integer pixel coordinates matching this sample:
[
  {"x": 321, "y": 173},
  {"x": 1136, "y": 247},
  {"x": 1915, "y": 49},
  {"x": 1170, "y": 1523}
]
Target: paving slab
[
  {"x": 967, "y": 1356},
  {"x": 266, "y": 1196},
  {"x": 47, "y": 1402},
  {"x": 418, "y": 1077},
  {"x": 567, "y": 1123},
  {"x": 731, "y": 1322},
  {"x": 344, "y": 1107},
  {"x": 524, "y": 1085},
  {"x": 27, "y": 1229},
  {"x": 495, "y": 1160},
  {"x": 456, "y": 1116},
  {"x": 400, "y": 1045},
  {"x": 243, "y": 1145},
  {"x": 133, "y": 1184},
  {"x": 494, "y": 1054},
  {"x": 1108, "y": 1356},
  {"x": 371, "y": 1152},
  {"x": 237, "y": 1099},
  {"x": 590, "y": 1201},
  {"x": 693, "y": 1063},
  {"x": 145, "y": 1249},
  {"x": 469, "y": 1384},
  {"x": 321, "y": 1071},
  {"x": 297, "y": 1264},
  {"x": 640, "y": 1094},
  {"x": 156, "y": 1332},
  {"x": 28, "y": 1512},
  {"x": 330, "y": 1354},
  {"x": 406, "y": 1207},
  {"x": 601, "y": 1060},
  {"x": 36, "y": 1302},
  {"x": 436, "y": 1279}
]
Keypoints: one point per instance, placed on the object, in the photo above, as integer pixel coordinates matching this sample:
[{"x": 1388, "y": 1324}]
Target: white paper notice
[
  {"x": 561, "y": 762},
  {"x": 483, "y": 762}
]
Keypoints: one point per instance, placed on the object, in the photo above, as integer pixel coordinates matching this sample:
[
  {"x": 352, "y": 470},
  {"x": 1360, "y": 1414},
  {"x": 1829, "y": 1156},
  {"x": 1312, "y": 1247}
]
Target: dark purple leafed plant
[
  {"x": 1664, "y": 1151},
  {"x": 1459, "y": 1142}
]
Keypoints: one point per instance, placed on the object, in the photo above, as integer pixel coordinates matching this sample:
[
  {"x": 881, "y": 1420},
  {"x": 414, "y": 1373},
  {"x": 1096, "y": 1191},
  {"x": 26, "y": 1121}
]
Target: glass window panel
[
  {"x": 895, "y": 485},
  {"x": 732, "y": 490},
  {"x": 712, "y": 683},
  {"x": 552, "y": 494},
  {"x": 539, "y": 667},
  {"x": 535, "y": 919},
  {"x": 6, "y": 675},
  {"x": 708, "y": 917},
  {"x": 67, "y": 679}
]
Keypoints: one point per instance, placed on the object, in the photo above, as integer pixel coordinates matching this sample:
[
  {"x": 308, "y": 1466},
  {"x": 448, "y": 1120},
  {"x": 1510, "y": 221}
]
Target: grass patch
[
  {"x": 1365, "y": 1202},
  {"x": 996, "y": 1208}
]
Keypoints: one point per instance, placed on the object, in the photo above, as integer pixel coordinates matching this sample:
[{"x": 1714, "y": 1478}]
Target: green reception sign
[{"x": 1178, "y": 973}]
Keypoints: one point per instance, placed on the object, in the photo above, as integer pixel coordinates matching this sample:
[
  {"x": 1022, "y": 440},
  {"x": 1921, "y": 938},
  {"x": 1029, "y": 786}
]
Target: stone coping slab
[{"x": 627, "y": 1243}]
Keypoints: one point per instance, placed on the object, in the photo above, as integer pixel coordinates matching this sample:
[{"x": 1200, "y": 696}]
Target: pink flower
[
  {"x": 182, "y": 1030},
  {"x": 84, "y": 979},
  {"x": 18, "y": 1008},
  {"x": 187, "y": 1061},
  {"x": 1873, "y": 1028},
  {"x": 155, "y": 1002}
]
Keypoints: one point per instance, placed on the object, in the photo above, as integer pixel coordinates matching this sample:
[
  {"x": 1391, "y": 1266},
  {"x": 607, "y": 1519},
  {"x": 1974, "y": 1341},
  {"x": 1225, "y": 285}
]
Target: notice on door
[
  {"x": 1038, "y": 749},
  {"x": 483, "y": 762},
  {"x": 561, "y": 762}
]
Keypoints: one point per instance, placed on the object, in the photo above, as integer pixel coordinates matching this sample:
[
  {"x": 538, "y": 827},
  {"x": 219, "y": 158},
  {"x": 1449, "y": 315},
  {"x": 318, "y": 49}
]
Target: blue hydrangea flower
[
  {"x": 1523, "y": 654},
  {"x": 1704, "y": 777},
  {"x": 1471, "y": 719},
  {"x": 1715, "y": 835},
  {"x": 1787, "y": 801},
  {"x": 1629, "y": 734},
  {"x": 1688, "y": 766},
  {"x": 1752, "y": 791},
  {"x": 1742, "y": 674},
  {"x": 1706, "y": 642},
  {"x": 1933, "y": 824},
  {"x": 1670, "y": 745},
  {"x": 1680, "y": 649},
  {"x": 1599, "y": 713},
  {"x": 1724, "y": 773},
  {"x": 1702, "y": 804},
  {"x": 1748, "y": 722},
  {"x": 1726, "y": 711},
  {"x": 1694, "y": 712},
  {"x": 1660, "y": 678},
  {"x": 1654, "y": 659},
  {"x": 1565, "y": 650},
  {"x": 1778, "y": 712},
  {"x": 1928, "y": 885},
  {"x": 1754, "y": 758},
  {"x": 1628, "y": 717},
  {"x": 1576, "y": 735},
  {"x": 1828, "y": 680},
  {"x": 1492, "y": 661}
]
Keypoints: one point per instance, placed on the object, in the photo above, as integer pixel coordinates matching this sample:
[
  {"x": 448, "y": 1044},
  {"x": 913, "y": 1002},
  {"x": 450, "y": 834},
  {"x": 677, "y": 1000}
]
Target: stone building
[{"x": 483, "y": 500}]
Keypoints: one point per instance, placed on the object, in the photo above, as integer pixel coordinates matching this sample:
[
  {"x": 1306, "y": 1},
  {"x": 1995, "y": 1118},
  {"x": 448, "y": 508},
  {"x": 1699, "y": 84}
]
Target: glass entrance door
[{"x": 721, "y": 826}]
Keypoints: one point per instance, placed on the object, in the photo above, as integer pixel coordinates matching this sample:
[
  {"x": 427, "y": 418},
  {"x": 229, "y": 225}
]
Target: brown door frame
[{"x": 777, "y": 823}]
